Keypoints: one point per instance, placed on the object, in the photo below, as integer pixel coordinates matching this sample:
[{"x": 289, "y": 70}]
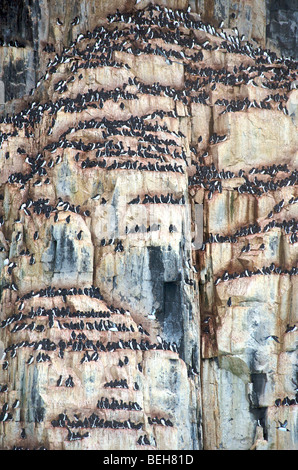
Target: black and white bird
[
  {"x": 75, "y": 21},
  {"x": 283, "y": 426},
  {"x": 30, "y": 360},
  {"x": 59, "y": 381},
  {"x": 273, "y": 337},
  {"x": 168, "y": 61},
  {"x": 16, "y": 404},
  {"x": 136, "y": 200},
  {"x": 69, "y": 382},
  {"x": 290, "y": 328}
]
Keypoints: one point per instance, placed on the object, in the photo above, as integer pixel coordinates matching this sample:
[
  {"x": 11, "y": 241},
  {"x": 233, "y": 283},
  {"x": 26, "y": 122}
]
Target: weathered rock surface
[
  {"x": 26, "y": 28},
  {"x": 149, "y": 233}
]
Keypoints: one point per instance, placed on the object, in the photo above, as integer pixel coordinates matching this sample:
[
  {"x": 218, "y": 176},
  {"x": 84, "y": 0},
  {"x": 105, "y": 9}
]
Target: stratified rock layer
[{"x": 148, "y": 243}]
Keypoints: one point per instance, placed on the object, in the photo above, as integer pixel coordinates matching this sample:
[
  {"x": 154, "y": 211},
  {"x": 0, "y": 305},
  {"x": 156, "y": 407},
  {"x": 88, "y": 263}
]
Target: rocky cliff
[{"x": 148, "y": 243}]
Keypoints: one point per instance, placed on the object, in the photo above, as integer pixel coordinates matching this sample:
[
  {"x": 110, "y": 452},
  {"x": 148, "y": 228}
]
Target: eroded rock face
[
  {"x": 148, "y": 241},
  {"x": 282, "y": 25},
  {"x": 28, "y": 30}
]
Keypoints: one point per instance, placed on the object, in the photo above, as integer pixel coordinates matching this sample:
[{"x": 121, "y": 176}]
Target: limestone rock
[{"x": 148, "y": 237}]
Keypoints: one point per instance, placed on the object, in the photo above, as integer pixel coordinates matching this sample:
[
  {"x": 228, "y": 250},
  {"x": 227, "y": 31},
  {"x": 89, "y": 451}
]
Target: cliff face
[
  {"x": 148, "y": 229},
  {"x": 27, "y": 26}
]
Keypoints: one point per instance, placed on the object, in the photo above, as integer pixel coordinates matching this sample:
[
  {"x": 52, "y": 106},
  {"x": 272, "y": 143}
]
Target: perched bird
[
  {"x": 59, "y": 381},
  {"x": 30, "y": 360},
  {"x": 291, "y": 328},
  {"x": 75, "y": 21},
  {"x": 69, "y": 382}
]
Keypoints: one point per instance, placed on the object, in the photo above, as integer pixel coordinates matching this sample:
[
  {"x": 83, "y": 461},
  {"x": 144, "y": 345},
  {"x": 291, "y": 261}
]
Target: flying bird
[
  {"x": 283, "y": 426},
  {"x": 275, "y": 338}
]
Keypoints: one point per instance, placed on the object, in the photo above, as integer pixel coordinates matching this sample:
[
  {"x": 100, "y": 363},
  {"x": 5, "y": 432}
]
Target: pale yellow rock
[{"x": 253, "y": 138}]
